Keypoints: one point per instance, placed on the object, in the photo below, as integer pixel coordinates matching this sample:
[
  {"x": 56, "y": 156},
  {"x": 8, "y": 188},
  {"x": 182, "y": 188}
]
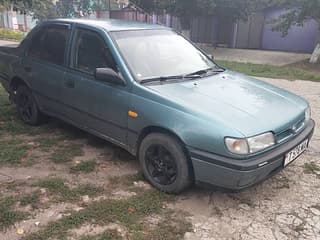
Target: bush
[{"x": 8, "y": 34}]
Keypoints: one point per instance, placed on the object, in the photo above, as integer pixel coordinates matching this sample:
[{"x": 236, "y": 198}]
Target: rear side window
[
  {"x": 91, "y": 52},
  {"x": 49, "y": 44}
]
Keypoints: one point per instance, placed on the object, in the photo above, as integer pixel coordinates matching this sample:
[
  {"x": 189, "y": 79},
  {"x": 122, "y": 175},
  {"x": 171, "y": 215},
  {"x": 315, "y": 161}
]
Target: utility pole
[{"x": 109, "y": 5}]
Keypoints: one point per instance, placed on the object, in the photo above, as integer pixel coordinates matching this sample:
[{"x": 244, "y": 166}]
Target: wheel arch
[
  {"x": 15, "y": 82},
  {"x": 157, "y": 129}
]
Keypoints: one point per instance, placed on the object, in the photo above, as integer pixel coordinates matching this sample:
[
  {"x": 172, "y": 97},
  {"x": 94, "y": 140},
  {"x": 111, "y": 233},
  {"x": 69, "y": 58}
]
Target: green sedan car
[{"x": 152, "y": 92}]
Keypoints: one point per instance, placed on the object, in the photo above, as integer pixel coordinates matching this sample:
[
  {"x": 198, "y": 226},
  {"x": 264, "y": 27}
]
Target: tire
[
  {"x": 164, "y": 163},
  {"x": 27, "y": 107}
]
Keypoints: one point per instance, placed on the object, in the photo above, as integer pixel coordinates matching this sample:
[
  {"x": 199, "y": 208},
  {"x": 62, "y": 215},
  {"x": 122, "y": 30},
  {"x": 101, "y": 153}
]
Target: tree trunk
[
  {"x": 25, "y": 22},
  {"x": 315, "y": 55},
  {"x": 315, "y": 58}
]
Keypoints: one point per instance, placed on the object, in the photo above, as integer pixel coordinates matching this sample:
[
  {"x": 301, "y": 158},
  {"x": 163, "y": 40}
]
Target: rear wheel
[
  {"x": 164, "y": 163},
  {"x": 27, "y": 107}
]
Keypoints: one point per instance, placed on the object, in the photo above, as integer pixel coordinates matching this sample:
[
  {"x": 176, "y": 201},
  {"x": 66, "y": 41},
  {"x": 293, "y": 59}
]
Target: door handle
[
  {"x": 69, "y": 83},
  {"x": 28, "y": 69}
]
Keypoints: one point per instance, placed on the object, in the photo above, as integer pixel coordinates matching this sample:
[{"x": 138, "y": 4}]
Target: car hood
[{"x": 245, "y": 104}]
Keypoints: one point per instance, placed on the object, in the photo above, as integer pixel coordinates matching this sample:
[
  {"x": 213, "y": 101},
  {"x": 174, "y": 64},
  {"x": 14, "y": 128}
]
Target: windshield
[{"x": 160, "y": 53}]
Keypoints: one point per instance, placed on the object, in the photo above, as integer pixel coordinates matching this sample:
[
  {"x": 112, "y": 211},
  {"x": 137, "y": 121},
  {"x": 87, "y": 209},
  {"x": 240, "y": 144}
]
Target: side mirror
[
  {"x": 210, "y": 56},
  {"x": 109, "y": 75}
]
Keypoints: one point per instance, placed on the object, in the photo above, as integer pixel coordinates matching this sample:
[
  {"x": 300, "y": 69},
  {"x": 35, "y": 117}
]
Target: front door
[{"x": 100, "y": 106}]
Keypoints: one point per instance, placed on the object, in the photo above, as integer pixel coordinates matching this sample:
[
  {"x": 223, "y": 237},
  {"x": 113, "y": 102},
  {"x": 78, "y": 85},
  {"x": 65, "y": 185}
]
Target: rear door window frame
[{"x": 39, "y": 31}]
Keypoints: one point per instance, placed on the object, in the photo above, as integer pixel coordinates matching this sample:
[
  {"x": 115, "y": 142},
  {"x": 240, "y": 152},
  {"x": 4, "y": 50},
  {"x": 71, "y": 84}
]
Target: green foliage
[
  {"x": 128, "y": 213},
  {"x": 312, "y": 168},
  {"x": 107, "y": 235},
  {"x": 9, "y": 217},
  {"x": 66, "y": 153},
  {"x": 86, "y": 166},
  {"x": 12, "y": 151},
  {"x": 64, "y": 193},
  {"x": 187, "y": 9},
  {"x": 32, "y": 199},
  {"x": 262, "y": 70},
  {"x": 236, "y": 9},
  {"x": 298, "y": 11},
  {"x": 8, "y": 34},
  {"x": 48, "y": 9},
  {"x": 5, "y": 4}
]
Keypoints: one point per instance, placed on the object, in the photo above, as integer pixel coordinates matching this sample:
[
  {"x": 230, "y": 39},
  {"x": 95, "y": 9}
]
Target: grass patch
[
  {"x": 86, "y": 167},
  {"x": 260, "y": 70},
  {"x": 107, "y": 235},
  {"x": 47, "y": 143},
  {"x": 312, "y": 168},
  {"x": 12, "y": 151},
  {"x": 8, "y": 216},
  {"x": 66, "y": 153},
  {"x": 9, "y": 121},
  {"x": 171, "y": 227},
  {"x": 32, "y": 199},
  {"x": 105, "y": 212},
  {"x": 8, "y": 34},
  {"x": 306, "y": 65},
  {"x": 64, "y": 193},
  {"x": 126, "y": 180}
]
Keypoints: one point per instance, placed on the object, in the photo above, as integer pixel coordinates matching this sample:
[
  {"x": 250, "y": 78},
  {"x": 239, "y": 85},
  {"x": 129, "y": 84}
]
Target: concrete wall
[{"x": 299, "y": 39}]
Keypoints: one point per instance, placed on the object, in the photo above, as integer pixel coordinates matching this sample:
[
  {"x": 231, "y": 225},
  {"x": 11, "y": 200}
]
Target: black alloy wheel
[
  {"x": 164, "y": 163},
  {"x": 161, "y": 165},
  {"x": 27, "y": 107}
]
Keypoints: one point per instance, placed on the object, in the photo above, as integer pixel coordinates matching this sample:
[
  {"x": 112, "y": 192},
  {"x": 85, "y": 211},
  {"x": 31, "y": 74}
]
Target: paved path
[
  {"x": 5, "y": 42},
  {"x": 275, "y": 58}
]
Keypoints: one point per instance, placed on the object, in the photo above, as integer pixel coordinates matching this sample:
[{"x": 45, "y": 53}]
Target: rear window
[{"x": 49, "y": 44}]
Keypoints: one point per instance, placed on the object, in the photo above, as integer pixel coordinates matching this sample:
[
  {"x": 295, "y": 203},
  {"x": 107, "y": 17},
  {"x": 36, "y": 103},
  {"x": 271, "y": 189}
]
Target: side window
[
  {"x": 91, "y": 52},
  {"x": 49, "y": 44}
]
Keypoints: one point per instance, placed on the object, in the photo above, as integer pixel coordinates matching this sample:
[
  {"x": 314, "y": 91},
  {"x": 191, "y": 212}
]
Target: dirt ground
[{"x": 286, "y": 206}]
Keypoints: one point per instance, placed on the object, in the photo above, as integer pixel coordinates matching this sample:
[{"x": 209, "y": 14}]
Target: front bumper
[{"x": 238, "y": 174}]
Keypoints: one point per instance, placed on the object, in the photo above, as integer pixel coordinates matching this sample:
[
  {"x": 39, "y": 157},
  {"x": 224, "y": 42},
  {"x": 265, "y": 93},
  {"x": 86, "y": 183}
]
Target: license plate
[{"x": 296, "y": 152}]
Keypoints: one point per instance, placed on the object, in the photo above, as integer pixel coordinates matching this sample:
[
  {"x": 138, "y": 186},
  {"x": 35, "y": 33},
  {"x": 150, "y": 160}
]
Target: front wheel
[
  {"x": 164, "y": 163},
  {"x": 27, "y": 107}
]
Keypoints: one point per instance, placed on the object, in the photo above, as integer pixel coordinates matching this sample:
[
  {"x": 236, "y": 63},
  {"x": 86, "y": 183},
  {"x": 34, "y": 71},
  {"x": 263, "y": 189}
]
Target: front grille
[{"x": 290, "y": 132}]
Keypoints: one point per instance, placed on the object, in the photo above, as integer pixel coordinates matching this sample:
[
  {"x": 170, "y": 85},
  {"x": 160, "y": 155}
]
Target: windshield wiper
[
  {"x": 162, "y": 78},
  {"x": 197, "y": 73},
  {"x": 194, "y": 75},
  {"x": 166, "y": 78},
  {"x": 203, "y": 72}
]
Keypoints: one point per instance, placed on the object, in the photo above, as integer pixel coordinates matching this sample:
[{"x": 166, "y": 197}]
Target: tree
[
  {"x": 187, "y": 9},
  {"x": 298, "y": 12},
  {"x": 65, "y": 8},
  {"x": 46, "y": 9},
  {"x": 38, "y": 9},
  {"x": 6, "y": 5}
]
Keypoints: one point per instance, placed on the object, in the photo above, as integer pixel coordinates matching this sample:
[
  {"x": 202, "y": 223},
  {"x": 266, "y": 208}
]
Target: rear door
[
  {"x": 100, "y": 106},
  {"x": 45, "y": 64}
]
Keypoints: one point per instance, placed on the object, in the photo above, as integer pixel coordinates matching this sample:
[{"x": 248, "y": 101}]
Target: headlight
[
  {"x": 250, "y": 145},
  {"x": 261, "y": 142},
  {"x": 307, "y": 114},
  {"x": 237, "y": 146}
]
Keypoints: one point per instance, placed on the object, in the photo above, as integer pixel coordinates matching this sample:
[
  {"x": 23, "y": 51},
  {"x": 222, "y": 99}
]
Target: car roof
[{"x": 112, "y": 24}]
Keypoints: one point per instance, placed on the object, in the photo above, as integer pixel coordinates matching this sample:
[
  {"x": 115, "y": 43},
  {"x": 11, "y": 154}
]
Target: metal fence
[
  {"x": 14, "y": 20},
  {"x": 135, "y": 15}
]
